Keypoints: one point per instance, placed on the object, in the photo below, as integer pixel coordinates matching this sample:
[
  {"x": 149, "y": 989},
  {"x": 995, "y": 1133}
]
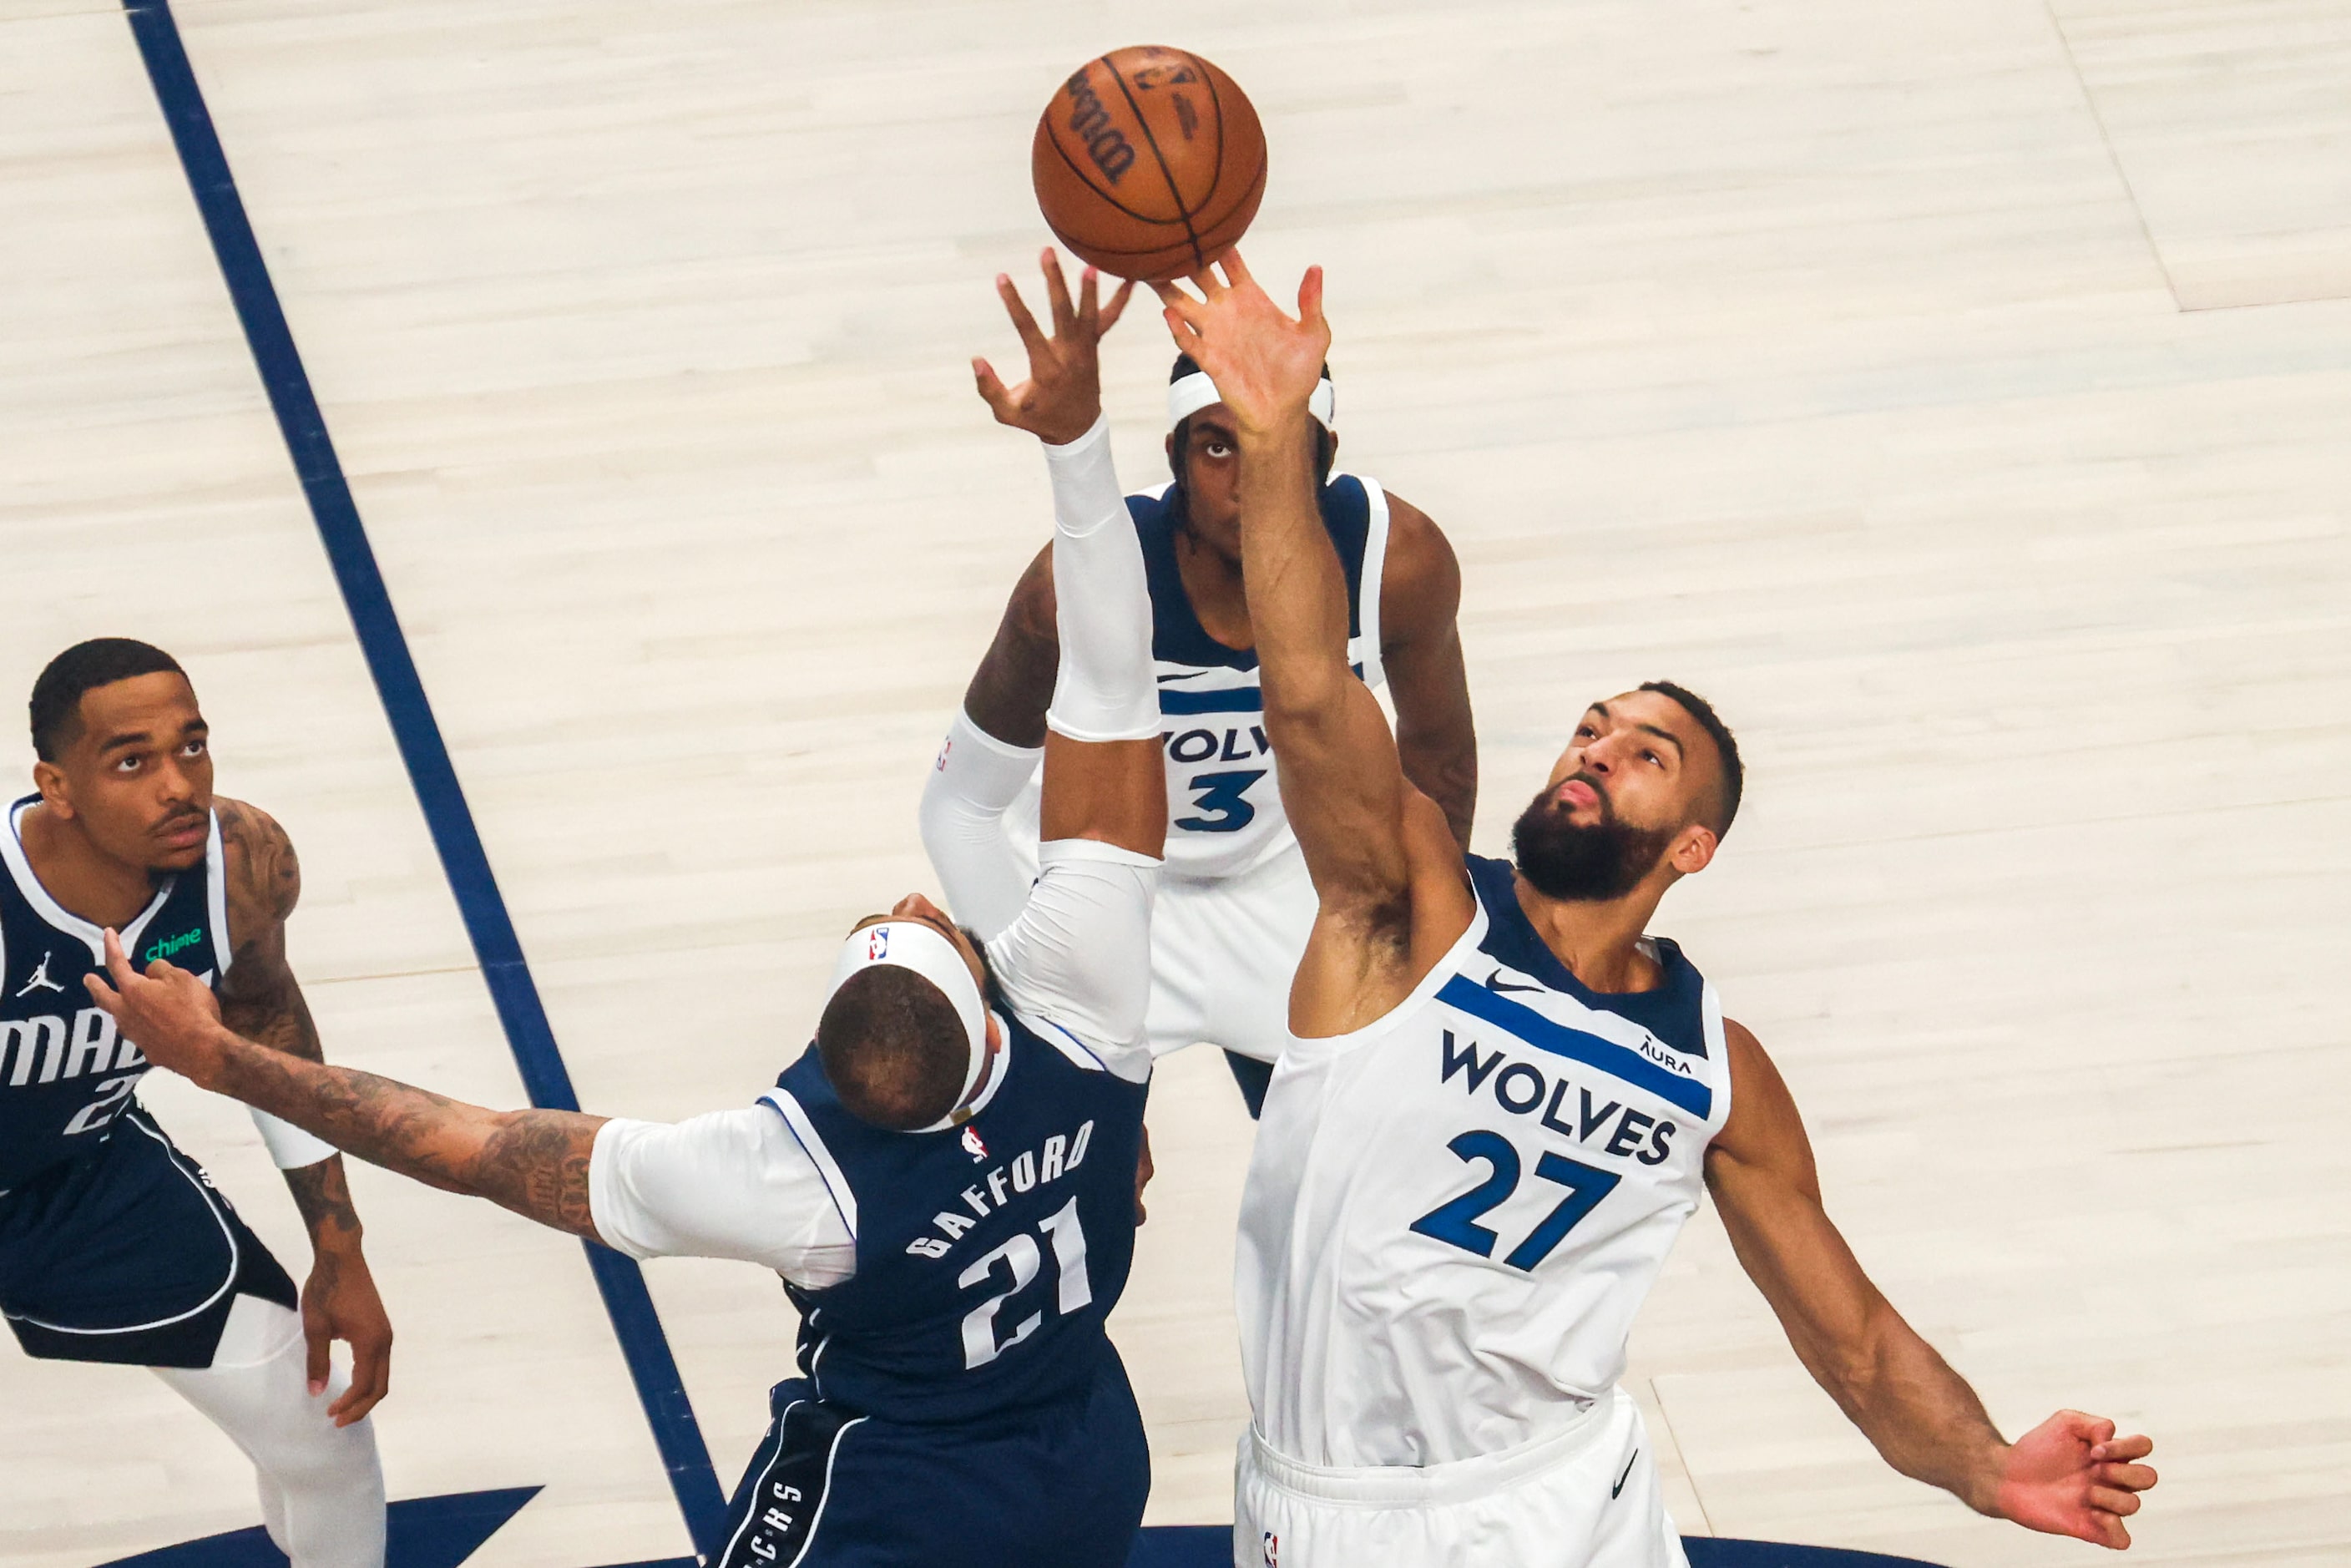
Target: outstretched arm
[
  {"x": 1104, "y": 779},
  {"x": 533, "y": 1162},
  {"x": 1385, "y": 870},
  {"x": 261, "y": 1000},
  {"x": 2069, "y": 1476}
]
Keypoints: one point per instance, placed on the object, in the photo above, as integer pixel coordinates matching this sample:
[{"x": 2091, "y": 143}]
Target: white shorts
[
  {"x": 1223, "y": 954},
  {"x": 1587, "y": 1498}
]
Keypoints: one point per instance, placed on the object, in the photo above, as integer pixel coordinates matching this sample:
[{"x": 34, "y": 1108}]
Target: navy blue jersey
[
  {"x": 1224, "y": 802},
  {"x": 1675, "y": 1011},
  {"x": 65, "y": 1075},
  {"x": 989, "y": 1255}
]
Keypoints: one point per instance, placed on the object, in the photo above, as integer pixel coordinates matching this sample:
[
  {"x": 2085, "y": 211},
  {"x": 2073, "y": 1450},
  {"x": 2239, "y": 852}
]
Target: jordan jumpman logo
[{"x": 40, "y": 980}]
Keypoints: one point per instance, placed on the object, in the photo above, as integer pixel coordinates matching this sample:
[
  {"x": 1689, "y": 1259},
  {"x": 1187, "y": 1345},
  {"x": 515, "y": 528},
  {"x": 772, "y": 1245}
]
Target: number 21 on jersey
[{"x": 1020, "y": 1259}]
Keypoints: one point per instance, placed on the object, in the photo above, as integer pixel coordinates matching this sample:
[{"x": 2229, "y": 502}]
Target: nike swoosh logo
[
  {"x": 1621, "y": 1479},
  {"x": 1494, "y": 982},
  {"x": 1183, "y": 675}
]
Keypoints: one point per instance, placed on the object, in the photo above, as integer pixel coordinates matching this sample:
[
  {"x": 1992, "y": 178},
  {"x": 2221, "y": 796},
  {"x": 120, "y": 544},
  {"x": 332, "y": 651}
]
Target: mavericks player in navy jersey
[
  {"x": 947, "y": 1179},
  {"x": 1500, "y": 1105},
  {"x": 1234, "y": 902},
  {"x": 114, "y": 1246}
]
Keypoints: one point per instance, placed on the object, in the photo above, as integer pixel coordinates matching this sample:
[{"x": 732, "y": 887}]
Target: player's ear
[
  {"x": 50, "y": 780},
  {"x": 1693, "y": 849}
]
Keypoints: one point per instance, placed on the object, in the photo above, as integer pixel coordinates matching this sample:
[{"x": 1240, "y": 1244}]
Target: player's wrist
[
  {"x": 1989, "y": 1490},
  {"x": 1061, "y": 444}
]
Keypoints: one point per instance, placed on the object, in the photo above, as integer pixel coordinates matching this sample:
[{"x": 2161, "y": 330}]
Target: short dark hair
[
  {"x": 893, "y": 1049},
  {"x": 1326, "y": 445},
  {"x": 82, "y": 668},
  {"x": 1726, "y": 746}
]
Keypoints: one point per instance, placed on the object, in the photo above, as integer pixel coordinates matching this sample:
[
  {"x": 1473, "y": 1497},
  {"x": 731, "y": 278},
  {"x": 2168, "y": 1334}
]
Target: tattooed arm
[
  {"x": 261, "y": 1000},
  {"x": 533, "y": 1162}
]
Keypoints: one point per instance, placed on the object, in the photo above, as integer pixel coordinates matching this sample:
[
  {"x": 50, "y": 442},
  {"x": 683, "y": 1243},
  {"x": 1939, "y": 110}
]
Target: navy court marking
[{"x": 684, "y": 1456}]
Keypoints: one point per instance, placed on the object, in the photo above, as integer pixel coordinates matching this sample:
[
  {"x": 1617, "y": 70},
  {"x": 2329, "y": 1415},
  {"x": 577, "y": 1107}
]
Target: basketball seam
[
  {"x": 1143, "y": 125},
  {"x": 1218, "y": 103},
  {"x": 1062, "y": 152}
]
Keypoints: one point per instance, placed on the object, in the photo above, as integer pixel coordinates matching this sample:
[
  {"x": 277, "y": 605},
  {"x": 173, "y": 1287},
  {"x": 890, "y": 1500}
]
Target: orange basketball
[{"x": 1149, "y": 162}]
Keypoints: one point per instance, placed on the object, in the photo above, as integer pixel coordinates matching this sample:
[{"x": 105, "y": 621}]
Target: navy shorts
[
  {"x": 829, "y": 1488},
  {"x": 128, "y": 1254}
]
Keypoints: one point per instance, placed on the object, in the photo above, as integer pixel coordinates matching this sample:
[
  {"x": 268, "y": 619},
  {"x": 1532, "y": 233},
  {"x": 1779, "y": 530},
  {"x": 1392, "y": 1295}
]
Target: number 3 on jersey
[
  {"x": 1455, "y": 1221},
  {"x": 1021, "y": 1259},
  {"x": 1223, "y": 797}
]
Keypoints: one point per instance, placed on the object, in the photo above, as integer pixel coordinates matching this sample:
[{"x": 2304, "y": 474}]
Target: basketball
[{"x": 1149, "y": 162}]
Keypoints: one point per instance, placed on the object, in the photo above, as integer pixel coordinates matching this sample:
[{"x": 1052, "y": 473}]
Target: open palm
[
  {"x": 1265, "y": 363},
  {"x": 2071, "y": 1476}
]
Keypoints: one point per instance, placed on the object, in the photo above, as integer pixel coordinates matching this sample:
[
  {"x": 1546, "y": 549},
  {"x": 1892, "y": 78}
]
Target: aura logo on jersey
[{"x": 1025, "y": 1172}]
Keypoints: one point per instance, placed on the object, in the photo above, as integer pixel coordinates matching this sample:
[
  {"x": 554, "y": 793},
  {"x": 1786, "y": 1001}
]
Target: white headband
[
  {"x": 918, "y": 945},
  {"x": 1188, "y": 395}
]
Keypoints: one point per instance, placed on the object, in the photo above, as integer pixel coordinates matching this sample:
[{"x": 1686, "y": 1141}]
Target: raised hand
[
  {"x": 1063, "y": 396},
  {"x": 1264, "y": 362},
  {"x": 2071, "y": 1476},
  {"x": 168, "y": 1013}
]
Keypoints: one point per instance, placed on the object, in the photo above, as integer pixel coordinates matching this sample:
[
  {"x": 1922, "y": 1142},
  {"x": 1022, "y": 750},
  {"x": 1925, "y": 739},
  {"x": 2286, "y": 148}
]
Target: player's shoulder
[
  {"x": 259, "y": 861},
  {"x": 1421, "y": 568}
]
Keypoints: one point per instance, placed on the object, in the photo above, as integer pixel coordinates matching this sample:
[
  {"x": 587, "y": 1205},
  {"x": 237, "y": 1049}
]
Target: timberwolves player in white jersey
[
  {"x": 1502, "y": 1102},
  {"x": 946, "y": 1180},
  {"x": 1234, "y": 903},
  {"x": 114, "y": 1246}
]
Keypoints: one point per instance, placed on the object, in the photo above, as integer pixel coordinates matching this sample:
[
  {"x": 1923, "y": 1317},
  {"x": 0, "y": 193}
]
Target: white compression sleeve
[
  {"x": 289, "y": 1146},
  {"x": 321, "y": 1485},
  {"x": 985, "y": 875},
  {"x": 1104, "y": 690}
]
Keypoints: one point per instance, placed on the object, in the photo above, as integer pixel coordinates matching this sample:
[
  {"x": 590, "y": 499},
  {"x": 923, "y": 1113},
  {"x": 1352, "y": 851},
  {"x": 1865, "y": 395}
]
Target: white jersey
[
  {"x": 1224, "y": 805},
  {"x": 1453, "y": 1214}
]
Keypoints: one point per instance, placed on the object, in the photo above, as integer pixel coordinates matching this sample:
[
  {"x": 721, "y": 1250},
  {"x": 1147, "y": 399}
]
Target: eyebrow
[
  {"x": 1658, "y": 730},
  {"x": 127, "y": 737}
]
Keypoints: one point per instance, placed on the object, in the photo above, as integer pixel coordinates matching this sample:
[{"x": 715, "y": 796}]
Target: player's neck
[
  {"x": 84, "y": 879},
  {"x": 1598, "y": 940},
  {"x": 1212, "y": 581}
]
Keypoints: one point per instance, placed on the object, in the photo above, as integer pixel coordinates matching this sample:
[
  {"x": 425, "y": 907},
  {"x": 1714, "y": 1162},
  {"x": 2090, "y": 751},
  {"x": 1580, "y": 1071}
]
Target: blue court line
[{"x": 496, "y": 948}]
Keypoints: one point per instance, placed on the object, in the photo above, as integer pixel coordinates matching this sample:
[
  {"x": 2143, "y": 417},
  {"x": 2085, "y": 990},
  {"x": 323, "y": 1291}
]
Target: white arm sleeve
[
  {"x": 1079, "y": 954},
  {"x": 983, "y": 867},
  {"x": 291, "y": 1148},
  {"x": 733, "y": 1184}
]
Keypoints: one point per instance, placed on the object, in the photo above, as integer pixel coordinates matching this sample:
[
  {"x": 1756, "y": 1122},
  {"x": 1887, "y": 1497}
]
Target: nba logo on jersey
[
  {"x": 972, "y": 1145},
  {"x": 1273, "y": 1549}
]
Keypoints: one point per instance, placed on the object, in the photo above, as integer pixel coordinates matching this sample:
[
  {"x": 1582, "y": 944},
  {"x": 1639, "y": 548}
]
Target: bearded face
[{"x": 1584, "y": 863}]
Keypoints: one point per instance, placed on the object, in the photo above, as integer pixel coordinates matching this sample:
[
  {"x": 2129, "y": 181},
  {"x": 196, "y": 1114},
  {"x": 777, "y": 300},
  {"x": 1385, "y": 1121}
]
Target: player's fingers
[
  {"x": 991, "y": 387},
  {"x": 2137, "y": 1477},
  {"x": 1033, "y": 338},
  {"x": 370, "y": 1380},
  {"x": 1057, "y": 294},
  {"x": 2131, "y": 1447},
  {"x": 1237, "y": 272},
  {"x": 117, "y": 962},
  {"x": 2114, "y": 1501},
  {"x": 1310, "y": 299},
  {"x": 1116, "y": 308},
  {"x": 102, "y": 994},
  {"x": 1186, "y": 337},
  {"x": 1206, "y": 281},
  {"x": 317, "y": 1345}
]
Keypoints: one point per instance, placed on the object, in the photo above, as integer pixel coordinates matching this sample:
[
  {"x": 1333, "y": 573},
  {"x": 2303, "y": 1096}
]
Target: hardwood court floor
[{"x": 1955, "y": 393}]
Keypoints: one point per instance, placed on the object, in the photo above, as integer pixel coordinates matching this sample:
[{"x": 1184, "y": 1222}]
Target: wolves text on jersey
[
  {"x": 1025, "y": 1172},
  {"x": 1521, "y": 1089}
]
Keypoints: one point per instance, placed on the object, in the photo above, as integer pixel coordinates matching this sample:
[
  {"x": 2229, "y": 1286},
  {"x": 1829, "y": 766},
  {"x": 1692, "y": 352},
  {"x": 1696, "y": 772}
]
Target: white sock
[
  {"x": 321, "y": 1485},
  {"x": 985, "y": 874},
  {"x": 1104, "y": 689}
]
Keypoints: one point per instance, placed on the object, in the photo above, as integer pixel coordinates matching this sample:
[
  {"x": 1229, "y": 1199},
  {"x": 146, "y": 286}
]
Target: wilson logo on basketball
[{"x": 1089, "y": 121}]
